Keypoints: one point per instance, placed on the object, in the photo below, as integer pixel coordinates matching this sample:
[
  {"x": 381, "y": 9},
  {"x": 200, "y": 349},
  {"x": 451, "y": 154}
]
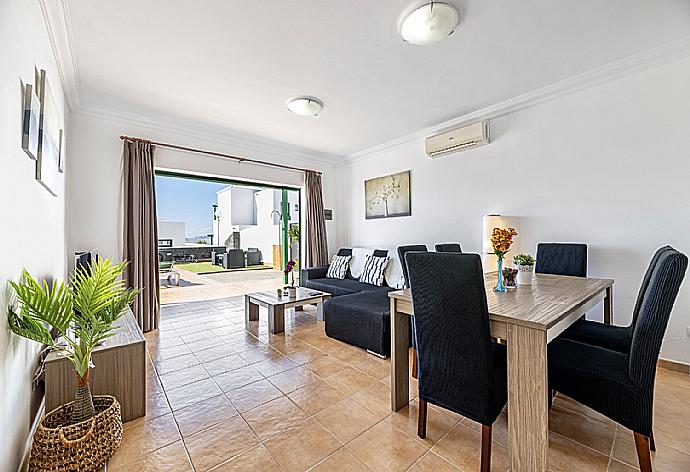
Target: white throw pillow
[
  {"x": 338, "y": 267},
  {"x": 359, "y": 257},
  {"x": 374, "y": 270}
]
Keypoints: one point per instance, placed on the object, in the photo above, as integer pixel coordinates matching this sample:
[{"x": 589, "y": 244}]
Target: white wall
[
  {"x": 96, "y": 154},
  {"x": 242, "y": 206},
  {"x": 174, "y": 230},
  {"x": 33, "y": 229},
  {"x": 608, "y": 166}
]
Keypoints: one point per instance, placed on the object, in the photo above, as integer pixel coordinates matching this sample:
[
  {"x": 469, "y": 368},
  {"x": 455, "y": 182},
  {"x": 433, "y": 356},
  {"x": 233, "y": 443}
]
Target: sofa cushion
[
  {"x": 336, "y": 287},
  {"x": 374, "y": 271},
  {"x": 361, "y": 319},
  {"x": 339, "y": 267}
]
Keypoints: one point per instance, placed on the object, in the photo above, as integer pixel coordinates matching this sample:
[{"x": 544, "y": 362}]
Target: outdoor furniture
[
  {"x": 169, "y": 269},
  {"x": 254, "y": 256},
  {"x": 277, "y": 305},
  {"x": 528, "y": 318}
]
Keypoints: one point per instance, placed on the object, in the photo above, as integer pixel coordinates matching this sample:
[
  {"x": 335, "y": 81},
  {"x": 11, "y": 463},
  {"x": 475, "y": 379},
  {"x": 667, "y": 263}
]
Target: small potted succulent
[
  {"x": 290, "y": 270},
  {"x": 525, "y": 266}
]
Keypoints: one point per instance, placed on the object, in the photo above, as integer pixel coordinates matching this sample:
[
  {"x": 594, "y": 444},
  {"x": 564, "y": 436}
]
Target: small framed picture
[{"x": 32, "y": 111}]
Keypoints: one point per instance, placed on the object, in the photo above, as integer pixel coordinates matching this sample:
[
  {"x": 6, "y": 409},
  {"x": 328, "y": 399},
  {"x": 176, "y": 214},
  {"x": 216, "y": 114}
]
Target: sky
[{"x": 179, "y": 199}]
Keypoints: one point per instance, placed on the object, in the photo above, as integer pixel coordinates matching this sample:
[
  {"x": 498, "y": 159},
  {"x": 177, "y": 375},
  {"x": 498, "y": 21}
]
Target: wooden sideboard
[{"x": 120, "y": 371}]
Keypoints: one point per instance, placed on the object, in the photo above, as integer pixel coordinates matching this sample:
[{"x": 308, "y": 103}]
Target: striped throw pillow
[
  {"x": 374, "y": 271},
  {"x": 338, "y": 267}
]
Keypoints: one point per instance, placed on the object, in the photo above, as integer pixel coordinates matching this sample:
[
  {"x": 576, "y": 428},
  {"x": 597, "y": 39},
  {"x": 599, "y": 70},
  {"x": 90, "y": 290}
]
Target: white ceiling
[{"x": 235, "y": 63}]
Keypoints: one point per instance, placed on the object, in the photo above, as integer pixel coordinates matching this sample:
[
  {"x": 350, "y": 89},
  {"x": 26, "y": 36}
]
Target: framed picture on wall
[
  {"x": 30, "y": 132},
  {"x": 388, "y": 197},
  {"x": 48, "y": 162}
]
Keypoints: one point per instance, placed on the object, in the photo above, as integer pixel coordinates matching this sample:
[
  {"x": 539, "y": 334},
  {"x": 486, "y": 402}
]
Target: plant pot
[
  {"x": 292, "y": 292},
  {"x": 60, "y": 445},
  {"x": 524, "y": 276}
]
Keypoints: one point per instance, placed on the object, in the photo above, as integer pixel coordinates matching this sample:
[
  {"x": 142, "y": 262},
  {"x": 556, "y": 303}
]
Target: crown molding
[
  {"x": 657, "y": 56},
  {"x": 59, "y": 28},
  {"x": 240, "y": 142}
]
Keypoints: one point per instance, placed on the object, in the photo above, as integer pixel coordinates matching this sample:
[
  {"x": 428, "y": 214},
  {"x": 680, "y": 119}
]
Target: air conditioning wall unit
[{"x": 458, "y": 139}]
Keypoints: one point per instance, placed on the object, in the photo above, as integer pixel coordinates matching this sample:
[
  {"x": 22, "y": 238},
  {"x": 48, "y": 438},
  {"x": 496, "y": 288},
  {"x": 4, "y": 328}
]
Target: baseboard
[
  {"x": 24, "y": 466},
  {"x": 674, "y": 366}
]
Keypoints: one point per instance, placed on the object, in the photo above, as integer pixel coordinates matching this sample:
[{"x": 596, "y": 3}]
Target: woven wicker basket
[{"x": 85, "y": 446}]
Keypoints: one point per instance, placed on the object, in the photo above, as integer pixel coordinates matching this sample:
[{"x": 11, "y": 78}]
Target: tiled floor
[{"x": 226, "y": 399}]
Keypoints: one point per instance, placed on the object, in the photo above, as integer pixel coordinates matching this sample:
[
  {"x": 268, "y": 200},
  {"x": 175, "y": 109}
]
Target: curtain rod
[{"x": 217, "y": 154}]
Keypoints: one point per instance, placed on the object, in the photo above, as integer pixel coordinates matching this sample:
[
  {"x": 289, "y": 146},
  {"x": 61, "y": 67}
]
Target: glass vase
[{"x": 499, "y": 285}]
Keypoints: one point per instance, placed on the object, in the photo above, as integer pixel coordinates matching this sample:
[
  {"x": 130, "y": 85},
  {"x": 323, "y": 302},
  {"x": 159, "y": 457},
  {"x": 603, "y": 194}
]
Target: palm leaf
[
  {"x": 28, "y": 328},
  {"x": 43, "y": 303}
]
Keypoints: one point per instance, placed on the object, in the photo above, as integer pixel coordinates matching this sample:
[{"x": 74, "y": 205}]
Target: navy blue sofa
[{"x": 357, "y": 313}]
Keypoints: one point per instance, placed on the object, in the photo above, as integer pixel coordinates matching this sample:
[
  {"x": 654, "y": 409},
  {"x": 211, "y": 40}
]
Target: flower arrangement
[
  {"x": 524, "y": 260},
  {"x": 525, "y": 265},
  {"x": 290, "y": 270},
  {"x": 501, "y": 240}
]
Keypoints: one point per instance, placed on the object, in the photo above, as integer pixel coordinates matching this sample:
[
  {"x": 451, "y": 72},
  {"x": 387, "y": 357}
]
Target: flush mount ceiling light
[
  {"x": 305, "y": 106},
  {"x": 429, "y": 23}
]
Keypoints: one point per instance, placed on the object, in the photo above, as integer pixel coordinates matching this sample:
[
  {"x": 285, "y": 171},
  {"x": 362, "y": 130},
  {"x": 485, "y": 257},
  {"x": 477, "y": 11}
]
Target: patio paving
[{"x": 194, "y": 287}]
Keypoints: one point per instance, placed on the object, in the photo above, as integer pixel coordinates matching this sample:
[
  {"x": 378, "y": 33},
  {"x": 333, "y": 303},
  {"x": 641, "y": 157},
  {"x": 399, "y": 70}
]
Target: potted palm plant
[{"x": 84, "y": 433}]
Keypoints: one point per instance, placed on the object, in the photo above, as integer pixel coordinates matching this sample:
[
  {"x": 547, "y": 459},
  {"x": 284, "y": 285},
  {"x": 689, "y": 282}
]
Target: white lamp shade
[
  {"x": 305, "y": 106},
  {"x": 429, "y": 24},
  {"x": 489, "y": 222}
]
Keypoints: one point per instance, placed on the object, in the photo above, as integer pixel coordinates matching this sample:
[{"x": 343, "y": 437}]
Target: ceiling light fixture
[
  {"x": 429, "y": 24},
  {"x": 305, "y": 106}
]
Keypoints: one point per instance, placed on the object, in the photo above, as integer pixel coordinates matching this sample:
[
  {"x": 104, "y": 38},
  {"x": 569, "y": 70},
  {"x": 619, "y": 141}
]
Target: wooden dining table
[{"x": 527, "y": 318}]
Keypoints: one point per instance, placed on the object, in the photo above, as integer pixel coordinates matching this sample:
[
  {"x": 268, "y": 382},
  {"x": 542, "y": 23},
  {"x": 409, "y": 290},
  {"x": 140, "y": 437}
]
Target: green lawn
[{"x": 205, "y": 267}]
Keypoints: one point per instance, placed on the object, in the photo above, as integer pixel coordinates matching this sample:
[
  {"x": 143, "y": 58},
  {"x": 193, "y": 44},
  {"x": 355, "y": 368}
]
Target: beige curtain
[
  {"x": 140, "y": 236},
  {"x": 317, "y": 248}
]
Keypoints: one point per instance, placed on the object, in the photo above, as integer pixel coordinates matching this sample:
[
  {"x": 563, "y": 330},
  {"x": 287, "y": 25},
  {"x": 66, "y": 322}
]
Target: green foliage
[
  {"x": 293, "y": 233},
  {"x": 524, "y": 259},
  {"x": 83, "y": 314}
]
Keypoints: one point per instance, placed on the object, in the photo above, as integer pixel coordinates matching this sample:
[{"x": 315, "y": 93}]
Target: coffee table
[{"x": 277, "y": 305}]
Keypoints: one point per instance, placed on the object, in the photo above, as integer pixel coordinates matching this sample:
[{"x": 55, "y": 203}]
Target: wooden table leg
[
  {"x": 276, "y": 319},
  {"x": 400, "y": 362},
  {"x": 251, "y": 310},
  {"x": 319, "y": 311},
  {"x": 608, "y": 305},
  {"x": 528, "y": 413}
]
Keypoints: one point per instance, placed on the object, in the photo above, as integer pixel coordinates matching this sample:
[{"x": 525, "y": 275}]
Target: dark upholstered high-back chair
[
  {"x": 621, "y": 385},
  {"x": 562, "y": 259},
  {"x": 460, "y": 368},
  {"x": 448, "y": 247},
  {"x": 402, "y": 250},
  {"x": 613, "y": 337}
]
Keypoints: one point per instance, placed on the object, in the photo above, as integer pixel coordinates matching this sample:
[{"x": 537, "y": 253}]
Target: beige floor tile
[
  {"x": 385, "y": 448},
  {"x": 178, "y": 378},
  {"x": 462, "y": 448},
  {"x": 616, "y": 466},
  {"x": 171, "y": 458},
  {"x": 159, "y": 352},
  {"x": 664, "y": 459},
  {"x": 224, "y": 364},
  {"x": 325, "y": 366},
  {"x": 302, "y": 446},
  {"x": 156, "y": 406},
  {"x": 274, "y": 366},
  {"x": 219, "y": 443},
  {"x": 292, "y": 379},
  {"x": 566, "y": 455},
  {"x": 192, "y": 393},
  {"x": 341, "y": 461},
  {"x": 213, "y": 353},
  {"x": 349, "y": 380},
  {"x": 430, "y": 462},
  {"x": 145, "y": 437},
  {"x": 582, "y": 428},
  {"x": 176, "y": 363},
  {"x": 252, "y": 395},
  {"x": 237, "y": 378},
  {"x": 255, "y": 459},
  {"x": 376, "y": 398},
  {"x": 259, "y": 353},
  {"x": 437, "y": 424},
  {"x": 346, "y": 420},
  {"x": 316, "y": 397},
  {"x": 562, "y": 400},
  {"x": 310, "y": 354},
  {"x": 274, "y": 417},
  {"x": 204, "y": 414}
]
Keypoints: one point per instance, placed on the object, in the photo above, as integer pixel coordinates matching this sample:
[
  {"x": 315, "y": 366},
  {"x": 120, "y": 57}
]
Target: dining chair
[
  {"x": 621, "y": 385},
  {"x": 402, "y": 250},
  {"x": 448, "y": 247},
  {"x": 562, "y": 259},
  {"x": 617, "y": 338},
  {"x": 460, "y": 368}
]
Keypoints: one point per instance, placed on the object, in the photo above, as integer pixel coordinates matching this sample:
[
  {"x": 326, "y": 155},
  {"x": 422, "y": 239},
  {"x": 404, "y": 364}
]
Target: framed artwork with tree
[{"x": 388, "y": 196}]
